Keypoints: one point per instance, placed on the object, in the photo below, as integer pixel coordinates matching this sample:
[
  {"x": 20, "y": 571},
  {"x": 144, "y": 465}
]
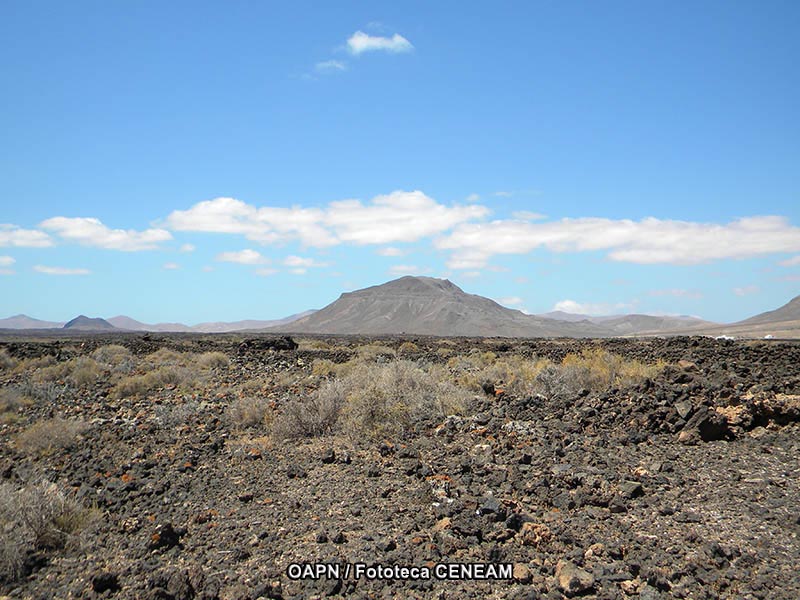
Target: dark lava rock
[
  {"x": 631, "y": 489},
  {"x": 166, "y": 536},
  {"x": 296, "y": 472},
  {"x": 328, "y": 457},
  {"x": 105, "y": 582}
]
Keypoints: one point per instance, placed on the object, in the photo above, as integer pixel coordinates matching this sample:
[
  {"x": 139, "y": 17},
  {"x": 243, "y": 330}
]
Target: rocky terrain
[{"x": 678, "y": 481}]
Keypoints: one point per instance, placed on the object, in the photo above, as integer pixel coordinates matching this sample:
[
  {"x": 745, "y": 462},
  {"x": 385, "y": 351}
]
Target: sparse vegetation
[
  {"x": 213, "y": 360},
  {"x": 139, "y": 385},
  {"x": 39, "y": 517},
  {"x": 248, "y": 412},
  {"x": 50, "y": 435},
  {"x": 7, "y": 362}
]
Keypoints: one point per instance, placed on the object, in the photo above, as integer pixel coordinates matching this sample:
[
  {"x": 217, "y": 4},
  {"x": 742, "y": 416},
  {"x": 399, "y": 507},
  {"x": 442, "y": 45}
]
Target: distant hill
[
  {"x": 26, "y": 322},
  {"x": 631, "y": 324},
  {"x": 428, "y": 306},
  {"x": 129, "y": 324},
  {"x": 788, "y": 312},
  {"x": 84, "y": 323}
]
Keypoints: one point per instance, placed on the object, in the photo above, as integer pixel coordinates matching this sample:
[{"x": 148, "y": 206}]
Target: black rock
[{"x": 105, "y": 582}]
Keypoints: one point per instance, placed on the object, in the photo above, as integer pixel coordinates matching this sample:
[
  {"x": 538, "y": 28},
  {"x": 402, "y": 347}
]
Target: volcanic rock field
[{"x": 179, "y": 467}]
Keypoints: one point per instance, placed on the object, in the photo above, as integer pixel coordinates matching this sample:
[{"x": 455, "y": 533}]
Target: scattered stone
[
  {"x": 328, "y": 457},
  {"x": 573, "y": 580},
  {"x": 105, "y": 582}
]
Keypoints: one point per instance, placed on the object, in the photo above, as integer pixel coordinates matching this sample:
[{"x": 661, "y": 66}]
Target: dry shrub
[
  {"x": 115, "y": 357},
  {"x": 382, "y": 400},
  {"x": 371, "y": 352},
  {"x": 33, "y": 364},
  {"x": 84, "y": 371},
  {"x": 50, "y": 435},
  {"x": 37, "y": 517},
  {"x": 322, "y": 367},
  {"x": 138, "y": 385},
  {"x": 408, "y": 348},
  {"x": 213, "y": 360},
  {"x": 7, "y": 362},
  {"x": 599, "y": 369},
  {"x": 44, "y": 393},
  {"x": 170, "y": 416},
  {"x": 248, "y": 412},
  {"x": 57, "y": 372},
  {"x": 313, "y": 415},
  {"x": 167, "y": 357},
  {"x": 12, "y": 399},
  {"x": 312, "y": 345}
]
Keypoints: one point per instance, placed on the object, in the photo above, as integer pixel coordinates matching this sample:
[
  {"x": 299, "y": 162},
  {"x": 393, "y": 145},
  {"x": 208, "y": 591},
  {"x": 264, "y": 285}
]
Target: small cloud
[
  {"x": 790, "y": 262},
  {"x": 298, "y": 271},
  {"x": 7, "y": 272},
  {"x": 510, "y": 300},
  {"x": 208, "y": 269},
  {"x": 502, "y": 194},
  {"x": 746, "y": 290},
  {"x": 11, "y": 235},
  {"x": 7, "y": 261},
  {"x": 266, "y": 272},
  {"x": 361, "y": 42},
  {"x": 407, "y": 270},
  {"x": 330, "y": 66},
  {"x": 589, "y": 308},
  {"x": 243, "y": 257},
  {"x": 300, "y": 262},
  {"x": 187, "y": 248},
  {"x": 471, "y": 274},
  {"x": 522, "y": 280},
  {"x": 171, "y": 266},
  {"x": 60, "y": 270},
  {"x": 92, "y": 232},
  {"x": 390, "y": 251},
  {"x": 497, "y": 269},
  {"x": 677, "y": 293},
  {"x": 473, "y": 198},
  {"x": 526, "y": 215}
]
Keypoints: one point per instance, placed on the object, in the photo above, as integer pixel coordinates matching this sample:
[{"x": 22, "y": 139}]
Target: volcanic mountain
[
  {"x": 84, "y": 323},
  {"x": 26, "y": 322},
  {"x": 428, "y": 306}
]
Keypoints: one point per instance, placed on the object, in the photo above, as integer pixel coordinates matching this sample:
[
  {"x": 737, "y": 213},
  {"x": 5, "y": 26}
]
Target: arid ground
[{"x": 187, "y": 466}]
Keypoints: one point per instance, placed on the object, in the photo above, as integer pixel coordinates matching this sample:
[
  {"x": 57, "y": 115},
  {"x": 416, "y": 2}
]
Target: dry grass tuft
[
  {"x": 37, "y": 517},
  {"x": 50, "y": 435},
  {"x": 249, "y": 412},
  {"x": 7, "y": 362},
  {"x": 139, "y": 385},
  {"x": 599, "y": 369},
  {"x": 213, "y": 360}
]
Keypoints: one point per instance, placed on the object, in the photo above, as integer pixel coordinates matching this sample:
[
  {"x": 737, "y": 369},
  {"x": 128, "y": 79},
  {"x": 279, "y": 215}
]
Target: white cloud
[
  {"x": 590, "y": 308},
  {"x": 11, "y": 235},
  {"x": 60, "y": 270},
  {"x": 187, "y": 248},
  {"x": 510, "y": 300},
  {"x": 7, "y": 261},
  {"x": 790, "y": 262},
  {"x": 269, "y": 224},
  {"x": 266, "y": 271},
  {"x": 171, "y": 266},
  {"x": 91, "y": 232},
  {"x": 299, "y": 261},
  {"x": 208, "y": 269},
  {"x": 677, "y": 293},
  {"x": 649, "y": 241},
  {"x": 471, "y": 274},
  {"x": 396, "y": 217},
  {"x": 473, "y": 198},
  {"x": 390, "y": 251},
  {"x": 746, "y": 290},
  {"x": 7, "y": 272},
  {"x": 298, "y": 271},
  {"x": 243, "y": 257},
  {"x": 407, "y": 270},
  {"x": 330, "y": 66},
  {"x": 361, "y": 42},
  {"x": 502, "y": 194}
]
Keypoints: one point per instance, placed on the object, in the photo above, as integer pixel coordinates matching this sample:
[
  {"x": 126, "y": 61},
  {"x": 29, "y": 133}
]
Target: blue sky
[{"x": 229, "y": 160}]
